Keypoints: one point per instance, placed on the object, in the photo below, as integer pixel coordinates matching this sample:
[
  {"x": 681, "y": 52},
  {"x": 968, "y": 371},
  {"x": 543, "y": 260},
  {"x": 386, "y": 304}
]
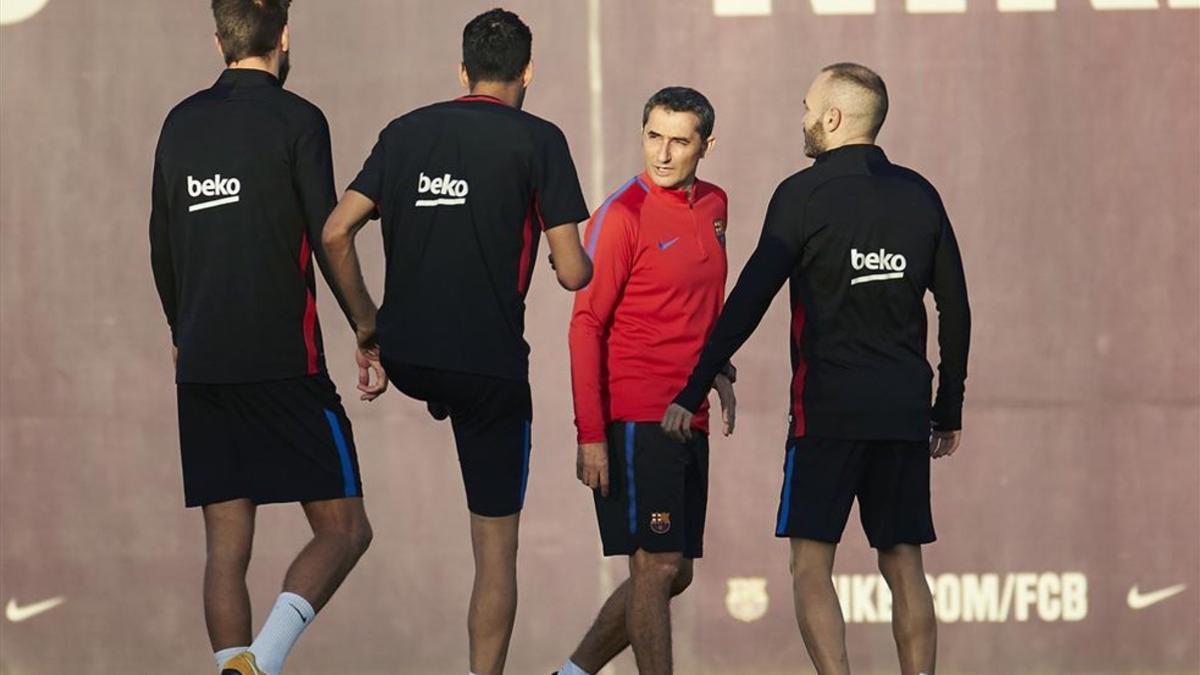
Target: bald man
[{"x": 861, "y": 240}]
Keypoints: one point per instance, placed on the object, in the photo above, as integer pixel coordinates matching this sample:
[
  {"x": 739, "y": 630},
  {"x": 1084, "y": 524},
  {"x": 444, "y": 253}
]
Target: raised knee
[
  {"x": 352, "y": 538},
  {"x": 361, "y": 537}
]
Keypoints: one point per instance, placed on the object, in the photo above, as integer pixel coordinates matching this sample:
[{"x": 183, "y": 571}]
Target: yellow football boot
[{"x": 242, "y": 664}]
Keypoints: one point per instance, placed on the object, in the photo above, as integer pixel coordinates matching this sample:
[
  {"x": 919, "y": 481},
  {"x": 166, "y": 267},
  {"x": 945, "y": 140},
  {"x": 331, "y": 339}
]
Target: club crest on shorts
[
  {"x": 660, "y": 523},
  {"x": 746, "y": 598}
]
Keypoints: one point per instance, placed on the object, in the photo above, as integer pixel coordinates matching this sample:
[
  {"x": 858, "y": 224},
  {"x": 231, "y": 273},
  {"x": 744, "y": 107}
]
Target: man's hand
[
  {"x": 591, "y": 466},
  {"x": 724, "y": 389},
  {"x": 367, "y": 359},
  {"x": 677, "y": 422},
  {"x": 570, "y": 261},
  {"x": 944, "y": 443}
]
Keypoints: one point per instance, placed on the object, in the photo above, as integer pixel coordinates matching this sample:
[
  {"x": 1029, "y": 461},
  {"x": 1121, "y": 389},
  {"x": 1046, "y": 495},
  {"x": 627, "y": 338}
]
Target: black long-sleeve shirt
[
  {"x": 243, "y": 182},
  {"x": 861, "y": 240}
]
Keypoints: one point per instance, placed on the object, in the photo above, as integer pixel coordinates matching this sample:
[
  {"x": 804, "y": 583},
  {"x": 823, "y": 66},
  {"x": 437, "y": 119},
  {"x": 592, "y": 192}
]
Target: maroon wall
[{"x": 1066, "y": 145}]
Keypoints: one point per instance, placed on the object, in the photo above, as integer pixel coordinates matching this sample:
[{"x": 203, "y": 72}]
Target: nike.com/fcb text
[{"x": 974, "y": 598}]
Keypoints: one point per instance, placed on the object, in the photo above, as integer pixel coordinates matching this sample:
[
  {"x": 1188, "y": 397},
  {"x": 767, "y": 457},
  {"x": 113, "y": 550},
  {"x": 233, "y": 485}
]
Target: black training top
[
  {"x": 464, "y": 189},
  {"x": 243, "y": 182},
  {"x": 861, "y": 240}
]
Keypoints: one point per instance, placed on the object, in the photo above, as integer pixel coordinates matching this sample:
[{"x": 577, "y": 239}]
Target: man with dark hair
[
  {"x": 464, "y": 189},
  {"x": 861, "y": 240},
  {"x": 243, "y": 181},
  {"x": 659, "y": 253}
]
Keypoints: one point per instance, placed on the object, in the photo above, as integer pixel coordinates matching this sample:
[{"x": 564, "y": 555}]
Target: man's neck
[
  {"x": 508, "y": 93},
  {"x": 856, "y": 140},
  {"x": 256, "y": 63}
]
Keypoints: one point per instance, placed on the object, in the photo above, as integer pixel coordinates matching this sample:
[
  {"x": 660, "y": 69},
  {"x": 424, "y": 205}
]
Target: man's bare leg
[
  {"x": 494, "y": 595},
  {"x": 229, "y": 536},
  {"x": 608, "y": 636},
  {"x": 817, "y": 610},
  {"x": 648, "y": 609},
  {"x": 341, "y": 535},
  {"x": 913, "y": 622}
]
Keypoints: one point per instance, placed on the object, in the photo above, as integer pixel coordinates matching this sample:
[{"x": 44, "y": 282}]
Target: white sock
[
  {"x": 226, "y": 654},
  {"x": 287, "y": 620},
  {"x": 569, "y": 668}
]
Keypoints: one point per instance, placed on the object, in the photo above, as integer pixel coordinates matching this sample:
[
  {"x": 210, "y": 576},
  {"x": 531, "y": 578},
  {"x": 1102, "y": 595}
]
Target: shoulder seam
[{"x": 603, "y": 211}]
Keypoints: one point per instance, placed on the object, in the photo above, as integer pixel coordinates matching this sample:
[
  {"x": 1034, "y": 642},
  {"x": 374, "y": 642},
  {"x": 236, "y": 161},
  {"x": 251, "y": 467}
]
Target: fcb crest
[
  {"x": 747, "y": 598},
  {"x": 719, "y": 227},
  {"x": 660, "y": 523}
]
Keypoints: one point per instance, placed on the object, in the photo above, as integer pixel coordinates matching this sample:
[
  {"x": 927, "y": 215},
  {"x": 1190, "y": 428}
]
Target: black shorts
[
  {"x": 492, "y": 419},
  {"x": 281, "y": 441},
  {"x": 657, "y": 492},
  {"x": 822, "y": 476}
]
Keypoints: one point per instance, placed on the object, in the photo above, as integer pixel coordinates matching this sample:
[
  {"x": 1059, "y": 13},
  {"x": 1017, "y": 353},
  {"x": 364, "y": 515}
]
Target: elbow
[
  {"x": 334, "y": 236},
  {"x": 575, "y": 283},
  {"x": 576, "y": 279}
]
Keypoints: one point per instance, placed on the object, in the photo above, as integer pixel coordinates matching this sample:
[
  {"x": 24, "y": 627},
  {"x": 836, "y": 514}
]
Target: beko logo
[
  {"x": 443, "y": 191},
  {"x": 892, "y": 265},
  {"x": 224, "y": 189}
]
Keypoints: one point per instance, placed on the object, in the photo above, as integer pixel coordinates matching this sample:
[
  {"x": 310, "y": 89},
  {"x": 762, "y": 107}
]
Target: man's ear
[
  {"x": 527, "y": 74},
  {"x": 708, "y": 146},
  {"x": 285, "y": 40},
  {"x": 217, "y": 44},
  {"x": 463, "y": 77},
  {"x": 833, "y": 119}
]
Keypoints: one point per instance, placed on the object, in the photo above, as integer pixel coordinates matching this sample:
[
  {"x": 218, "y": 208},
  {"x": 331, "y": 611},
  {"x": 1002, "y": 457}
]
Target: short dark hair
[
  {"x": 248, "y": 28},
  {"x": 867, "y": 79},
  {"x": 683, "y": 99},
  {"x": 496, "y": 47}
]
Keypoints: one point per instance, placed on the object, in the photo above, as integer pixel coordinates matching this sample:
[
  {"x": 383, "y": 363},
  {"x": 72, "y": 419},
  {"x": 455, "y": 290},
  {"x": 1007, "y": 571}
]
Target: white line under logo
[
  {"x": 876, "y": 277},
  {"x": 441, "y": 202}
]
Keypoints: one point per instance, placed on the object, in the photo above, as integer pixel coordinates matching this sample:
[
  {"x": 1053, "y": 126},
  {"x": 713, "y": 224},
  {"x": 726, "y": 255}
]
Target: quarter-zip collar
[{"x": 678, "y": 197}]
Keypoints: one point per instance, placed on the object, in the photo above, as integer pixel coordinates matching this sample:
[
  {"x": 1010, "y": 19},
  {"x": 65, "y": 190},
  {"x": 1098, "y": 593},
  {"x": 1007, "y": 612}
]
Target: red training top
[{"x": 656, "y": 291}]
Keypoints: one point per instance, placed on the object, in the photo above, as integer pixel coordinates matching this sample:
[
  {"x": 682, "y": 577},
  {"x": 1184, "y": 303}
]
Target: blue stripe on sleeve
[{"x": 599, "y": 224}]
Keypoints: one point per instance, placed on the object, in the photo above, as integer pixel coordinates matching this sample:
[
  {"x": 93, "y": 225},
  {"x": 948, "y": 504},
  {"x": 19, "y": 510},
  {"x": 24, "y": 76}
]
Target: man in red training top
[{"x": 658, "y": 250}]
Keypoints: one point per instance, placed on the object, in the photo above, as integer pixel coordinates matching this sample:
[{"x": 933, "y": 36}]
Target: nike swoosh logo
[
  {"x": 1138, "y": 600},
  {"x": 16, "y": 614},
  {"x": 301, "y": 614},
  {"x": 664, "y": 245}
]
